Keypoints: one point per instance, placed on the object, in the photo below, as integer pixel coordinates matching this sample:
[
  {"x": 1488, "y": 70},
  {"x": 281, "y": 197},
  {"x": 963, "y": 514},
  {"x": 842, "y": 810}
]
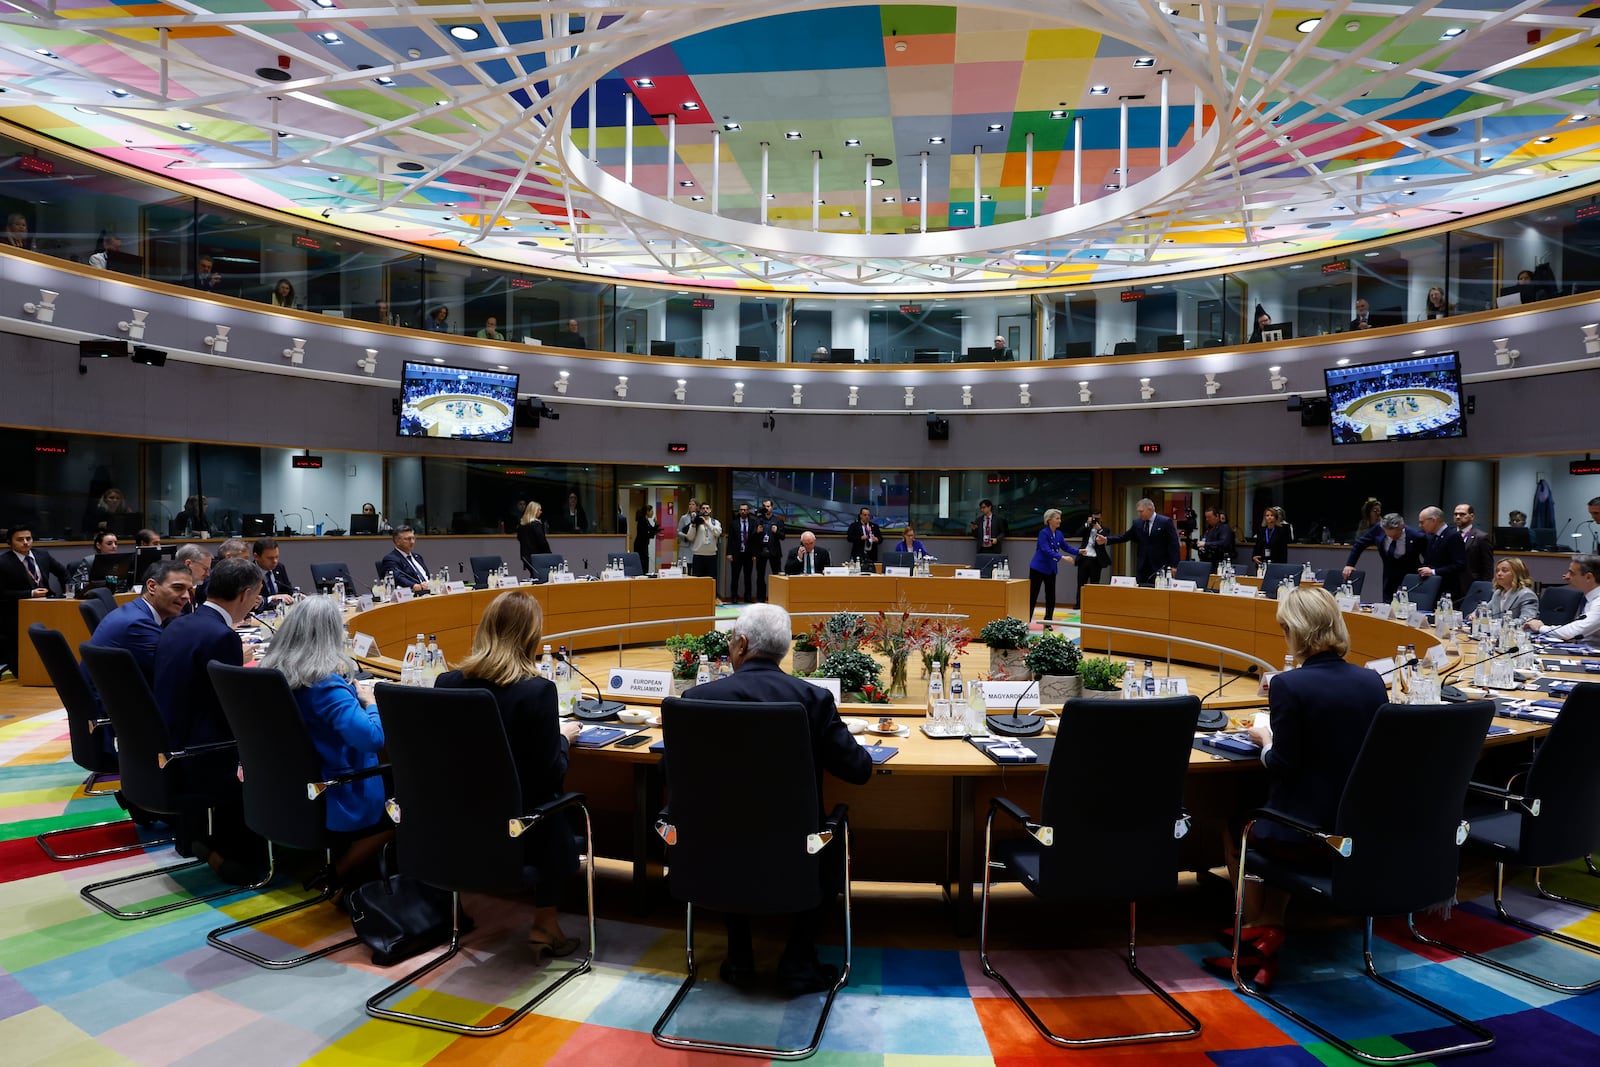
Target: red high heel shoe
[
  {"x": 1257, "y": 971},
  {"x": 1263, "y": 941}
]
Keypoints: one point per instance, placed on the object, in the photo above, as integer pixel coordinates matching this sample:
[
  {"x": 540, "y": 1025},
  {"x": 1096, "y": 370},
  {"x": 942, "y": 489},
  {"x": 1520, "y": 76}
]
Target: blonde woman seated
[
  {"x": 342, "y": 719},
  {"x": 1320, "y": 712},
  {"x": 1513, "y": 594},
  {"x": 504, "y": 662}
]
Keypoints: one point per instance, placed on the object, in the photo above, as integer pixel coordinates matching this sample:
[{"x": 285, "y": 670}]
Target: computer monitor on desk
[
  {"x": 112, "y": 565},
  {"x": 843, "y": 355},
  {"x": 925, "y": 355},
  {"x": 1169, "y": 342},
  {"x": 361, "y": 523},
  {"x": 747, "y": 353},
  {"x": 1513, "y": 539},
  {"x": 1277, "y": 331},
  {"x": 1077, "y": 350},
  {"x": 663, "y": 348},
  {"x": 258, "y": 525}
]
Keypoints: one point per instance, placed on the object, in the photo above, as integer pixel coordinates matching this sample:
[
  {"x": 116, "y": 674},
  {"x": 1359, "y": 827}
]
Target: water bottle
[
  {"x": 1427, "y": 683},
  {"x": 977, "y": 708},
  {"x": 1480, "y": 668},
  {"x": 935, "y": 696},
  {"x": 566, "y": 692},
  {"x": 1397, "y": 681},
  {"x": 724, "y": 668},
  {"x": 563, "y": 669},
  {"x": 1307, "y": 575},
  {"x": 547, "y": 667},
  {"x": 1130, "y": 681},
  {"x": 958, "y": 687},
  {"x": 411, "y": 671},
  {"x": 1149, "y": 678},
  {"x": 338, "y": 590},
  {"x": 434, "y": 661},
  {"x": 1288, "y": 661},
  {"x": 703, "y": 675}
]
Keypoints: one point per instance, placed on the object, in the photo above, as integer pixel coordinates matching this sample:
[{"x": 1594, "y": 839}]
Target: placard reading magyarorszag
[
  {"x": 626, "y": 683},
  {"x": 1004, "y": 695}
]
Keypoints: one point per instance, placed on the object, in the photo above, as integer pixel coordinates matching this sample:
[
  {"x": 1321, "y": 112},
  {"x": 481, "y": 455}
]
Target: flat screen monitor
[
  {"x": 1077, "y": 350},
  {"x": 1277, "y": 331},
  {"x": 458, "y": 403},
  {"x": 926, "y": 355},
  {"x": 1125, "y": 348},
  {"x": 124, "y": 523},
  {"x": 1397, "y": 400},
  {"x": 1169, "y": 342},
  {"x": 747, "y": 353},
  {"x": 361, "y": 523},
  {"x": 983, "y": 354},
  {"x": 259, "y": 525},
  {"x": 1513, "y": 539},
  {"x": 145, "y": 558},
  {"x": 663, "y": 348},
  {"x": 843, "y": 355},
  {"x": 112, "y": 565}
]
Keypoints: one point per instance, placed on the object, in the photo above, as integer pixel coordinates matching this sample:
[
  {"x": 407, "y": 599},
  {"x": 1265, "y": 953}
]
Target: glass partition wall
[{"x": 147, "y": 231}]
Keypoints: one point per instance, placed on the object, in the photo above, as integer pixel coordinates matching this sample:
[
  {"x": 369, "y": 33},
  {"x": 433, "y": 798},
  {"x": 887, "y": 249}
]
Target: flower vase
[{"x": 897, "y": 678}]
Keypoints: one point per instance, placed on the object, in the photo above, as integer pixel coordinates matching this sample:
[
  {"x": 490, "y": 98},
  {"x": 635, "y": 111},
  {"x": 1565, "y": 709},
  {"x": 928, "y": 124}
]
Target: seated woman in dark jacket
[
  {"x": 1320, "y": 713},
  {"x": 504, "y": 662},
  {"x": 342, "y": 719}
]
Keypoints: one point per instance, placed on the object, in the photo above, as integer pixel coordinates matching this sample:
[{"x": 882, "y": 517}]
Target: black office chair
[
  {"x": 1197, "y": 571},
  {"x": 481, "y": 566},
  {"x": 381, "y": 567},
  {"x": 985, "y": 562},
  {"x": 93, "y": 611},
  {"x": 459, "y": 821},
  {"x": 284, "y": 790},
  {"x": 324, "y": 575},
  {"x": 538, "y": 564},
  {"x": 744, "y": 832},
  {"x": 1559, "y": 605},
  {"x": 1394, "y": 846},
  {"x": 1422, "y": 592},
  {"x": 86, "y": 725},
  {"x": 1477, "y": 593},
  {"x": 1554, "y": 818},
  {"x": 630, "y": 563},
  {"x": 1276, "y": 573},
  {"x": 1130, "y": 842},
  {"x": 898, "y": 559},
  {"x": 154, "y": 774}
]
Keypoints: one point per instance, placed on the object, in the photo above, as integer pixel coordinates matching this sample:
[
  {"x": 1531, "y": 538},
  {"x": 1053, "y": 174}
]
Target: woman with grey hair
[
  {"x": 342, "y": 720},
  {"x": 1051, "y": 549}
]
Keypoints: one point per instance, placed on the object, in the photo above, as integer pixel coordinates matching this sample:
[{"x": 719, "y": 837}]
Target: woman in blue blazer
[{"x": 1051, "y": 548}]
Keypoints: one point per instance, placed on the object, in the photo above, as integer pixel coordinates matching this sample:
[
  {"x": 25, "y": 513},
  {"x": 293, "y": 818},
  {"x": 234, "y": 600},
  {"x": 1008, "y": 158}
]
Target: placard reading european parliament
[{"x": 626, "y": 683}]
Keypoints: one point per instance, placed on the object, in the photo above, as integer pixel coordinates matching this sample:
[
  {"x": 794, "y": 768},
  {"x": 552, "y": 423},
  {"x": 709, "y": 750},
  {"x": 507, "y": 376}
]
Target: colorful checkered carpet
[{"x": 78, "y": 987}]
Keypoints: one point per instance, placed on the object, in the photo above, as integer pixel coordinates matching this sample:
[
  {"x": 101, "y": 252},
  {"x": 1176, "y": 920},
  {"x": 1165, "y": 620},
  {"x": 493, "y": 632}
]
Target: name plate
[
  {"x": 836, "y": 572},
  {"x": 1184, "y": 585},
  {"x": 562, "y": 577},
  {"x": 1419, "y": 619},
  {"x": 897, "y": 572},
  {"x": 363, "y": 603},
  {"x": 1349, "y": 603},
  {"x": 1380, "y": 611},
  {"x": 1436, "y": 655},
  {"x": 455, "y": 587},
  {"x": 1004, "y": 696},
  {"x": 402, "y": 594},
  {"x": 612, "y": 576},
  {"x": 505, "y": 581},
  {"x": 1124, "y": 579},
  {"x": 830, "y": 684},
  {"x": 671, "y": 572},
  {"x": 968, "y": 572},
  {"x": 363, "y": 644},
  {"x": 1243, "y": 590},
  {"x": 626, "y": 683},
  {"x": 1382, "y": 666}
]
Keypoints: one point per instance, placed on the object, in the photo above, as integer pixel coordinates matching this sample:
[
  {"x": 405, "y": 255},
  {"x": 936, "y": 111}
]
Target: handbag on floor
[{"x": 398, "y": 917}]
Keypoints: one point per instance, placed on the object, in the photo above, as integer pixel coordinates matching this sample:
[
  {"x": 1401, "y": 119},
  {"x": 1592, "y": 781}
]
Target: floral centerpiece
[
  {"x": 896, "y": 634},
  {"x": 944, "y": 641},
  {"x": 685, "y": 650},
  {"x": 1007, "y": 639},
  {"x": 855, "y": 670}
]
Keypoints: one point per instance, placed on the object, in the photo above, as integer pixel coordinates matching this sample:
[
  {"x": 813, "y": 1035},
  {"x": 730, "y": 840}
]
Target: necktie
[
  {"x": 986, "y": 536},
  {"x": 744, "y": 533},
  {"x": 272, "y": 586},
  {"x": 416, "y": 568},
  {"x": 33, "y": 568},
  {"x": 808, "y": 563},
  {"x": 1150, "y": 528}
]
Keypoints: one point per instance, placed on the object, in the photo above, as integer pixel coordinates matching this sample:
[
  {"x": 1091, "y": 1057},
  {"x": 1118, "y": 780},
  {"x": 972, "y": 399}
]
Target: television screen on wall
[
  {"x": 1411, "y": 399},
  {"x": 461, "y": 403}
]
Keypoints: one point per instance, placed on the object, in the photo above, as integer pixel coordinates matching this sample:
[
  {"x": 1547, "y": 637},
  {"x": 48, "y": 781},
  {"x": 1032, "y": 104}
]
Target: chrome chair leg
[
  {"x": 658, "y": 1032},
  {"x": 45, "y": 838},
  {"x": 91, "y": 892},
  {"x": 216, "y": 937},
  {"x": 1521, "y": 924},
  {"x": 375, "y": 1003},
  {"x": 91, "y": 784}
]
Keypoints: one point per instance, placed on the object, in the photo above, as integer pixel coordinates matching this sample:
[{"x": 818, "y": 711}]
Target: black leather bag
[{"x": 398, "y": 917}]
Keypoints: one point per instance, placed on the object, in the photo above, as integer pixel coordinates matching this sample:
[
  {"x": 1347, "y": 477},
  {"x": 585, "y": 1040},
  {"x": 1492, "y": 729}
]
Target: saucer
[
  {"x": 854, "y": 725},
  {"x": 899, "y": 731}
]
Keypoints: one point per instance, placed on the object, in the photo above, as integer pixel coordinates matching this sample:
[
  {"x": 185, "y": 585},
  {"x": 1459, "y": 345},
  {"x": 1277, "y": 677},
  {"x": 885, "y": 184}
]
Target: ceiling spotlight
[
  {"x": 323, "y": 3},
  {"x": 1037, "y": 189},
  {"x": 888, "y": 200},
  {"x": 1504, "y": 355},
  {"x": 562, "y": 379},
  {"x": 120, "y": 94},
  {"x": 1452, "y": 33},
  {"x": 1276, "y": 379},
  {"x": 792, "y": 135},
  {"x": 1099, "y": 90},
  {"x": 463, "y": 33},
  {"x": 1113, "y": 186},
  {"x": 997, "y": 127},
  {"x": 1212, "y": 385},
  {"x": 1307, "y": 25},
  {"x": 690, "y": 105},
  {"x": 731, "y": 127},
  {"x": 1143, "y": 62},
  {"x": 330, "y": 38},
  {"x": 985, "y": 196},
  {"x": 643, "y": 83},
  {"x": 874, "y": 182},
  {"x": 1543, "y": 140},
  {"x": 697, "y": 198},
  {"x": 913, "y": 199},
  {"x": 686, "y": 183},
  {"x": 852, "y": 142},
  {"x": 1146, "y": 390},
  {"x": 384, "y": 80},
  {"x": 47, "y": 53},
  {"x": 1058, "y": 114},
  {"x": 336, "y": 177},
  {"x": 1084, "y": 395},
  {"x": 936, "y": 140},
  {"x": 185, "y": 126},
  {"x": 621, "y": 388}
]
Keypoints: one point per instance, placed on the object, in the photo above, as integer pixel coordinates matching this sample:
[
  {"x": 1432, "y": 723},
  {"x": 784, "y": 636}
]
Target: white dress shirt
[{"x": 1586, "y": 627}]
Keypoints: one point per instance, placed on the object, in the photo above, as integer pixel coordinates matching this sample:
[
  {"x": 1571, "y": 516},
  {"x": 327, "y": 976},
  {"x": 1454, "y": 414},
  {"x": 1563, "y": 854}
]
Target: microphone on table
[
  {"x": 596, "y": 710},
  {"x": 1452, "y": 695},
  {"x": 1016, "y": 724},
  {"x": 1216, "y": 718}
]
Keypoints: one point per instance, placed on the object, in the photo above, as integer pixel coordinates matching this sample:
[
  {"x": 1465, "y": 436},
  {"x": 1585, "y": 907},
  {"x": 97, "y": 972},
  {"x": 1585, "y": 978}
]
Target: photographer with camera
[{"x": 701, "y": 532}]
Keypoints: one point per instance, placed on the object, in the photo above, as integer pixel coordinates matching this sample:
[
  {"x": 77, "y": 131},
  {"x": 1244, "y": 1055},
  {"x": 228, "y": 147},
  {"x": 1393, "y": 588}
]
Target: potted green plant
[
  {"x": 1007, "y": 639},
  {"x": 1054, "y": 661},
  {"x": 854, "y": 669},
  {"x": 843, "y": 630},
  {"x": 714, "y": 643},
  {"x": 685, "y": 650},
  {"x": 1102, "y": 678},
  {"x": 804, "y": 659}
]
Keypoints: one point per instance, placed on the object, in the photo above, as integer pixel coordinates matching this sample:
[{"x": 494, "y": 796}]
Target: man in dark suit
[
  {"x": 1218, "y": 542},
  {"x": 807, "y": 558},
  {"x": 768, "y": 546},
  {"x": 275, "y": 585},
  {"x": 988, "y": 529},
  {"x": 1399, "y": 546},
  {"x": 1361, "y": 321},
  {"x": 1480, "y": 550},
  {"x": 1443, "y": 554},
  {"x": 742, "y": 544},
  {"x": 211, "y": 825},
  {"x": 1156, "y": 537},
  {"x": 403, "y": 562},
  {"x": 864, "y": 536},
  {"x": 137, "y": 625},
  {"x": 757, "y": 643},
  {"x": 25, "y": 574},
  {"x": 1091, "y": 559}
]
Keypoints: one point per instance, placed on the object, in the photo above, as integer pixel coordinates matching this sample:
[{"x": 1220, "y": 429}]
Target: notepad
[
  {"x": 881, "y": 753},
  {"x": 601, "y": 736}
]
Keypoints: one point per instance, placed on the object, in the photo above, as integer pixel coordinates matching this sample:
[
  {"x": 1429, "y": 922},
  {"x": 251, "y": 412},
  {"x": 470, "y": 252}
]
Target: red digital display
[
  {"x": 1338, "y": 266},
  {"x": 1584, "y": 466},
  {"x": 910, "y": 309},
  {"x": 302, "y": 241},
  {"x": 306, "y": 463},
  {"x": 704, "y": 303},
  {"x": 1151, "y": 449},
  {"x": 1130, "y": 295},
  {"x": 677, "y": 447},
  {"x": 35, "y": 164},
  {"x": 49, "y": 448}
]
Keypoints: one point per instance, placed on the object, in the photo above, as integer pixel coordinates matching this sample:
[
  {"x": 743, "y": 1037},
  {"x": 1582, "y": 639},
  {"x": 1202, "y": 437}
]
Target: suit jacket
[
  {"x": 15, "y": 583},
  {"x": 1158, "y": 545},
  {"x": 792, "y": 564},
  {"x": 132, "y": 626},
  {"x": 1089, "y": 567},
  {"x": 742, "y": 541},
  {"x": 856, "y": 534},
  {"x": 395, "y": 563},
  {"x": 1446, "y": 553},
  {"x": 1218, "y": 543},
  {"x": 1272, "y": 544},
  {"x": 280, "y": 582},
  {"x": 832, "y": 748},
  {"x": 531, "y": 540},
  {"x": 997, "y": 531},
  {"x": 183, "y": 690},
  {"x": 1320, "y": 716},
  {"x": 769, "y": 540},
  {"x": 1395, "y": 567},
  {"x": 1480, "y": 557}
]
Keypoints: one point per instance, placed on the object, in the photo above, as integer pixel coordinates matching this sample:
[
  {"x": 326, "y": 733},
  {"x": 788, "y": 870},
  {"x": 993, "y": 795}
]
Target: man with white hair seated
[{"x": 757, "y": 643}]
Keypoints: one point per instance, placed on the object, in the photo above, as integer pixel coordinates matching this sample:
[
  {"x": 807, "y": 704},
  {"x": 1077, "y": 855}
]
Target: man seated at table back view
[
  {"x": 403, "y": 562},
  {"x": 757, "y": 644},
  {"x": 1583, "y": 574}
]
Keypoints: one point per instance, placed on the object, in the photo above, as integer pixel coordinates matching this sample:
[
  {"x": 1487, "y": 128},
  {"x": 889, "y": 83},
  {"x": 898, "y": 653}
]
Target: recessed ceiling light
[
  {"x": 1112, "y": 185},
  {"x": 686, "y": 183},
  {"x": 772, "y": 196},
  {"x": 47, "y": 53},
  {"x": 120, "y": 94},
  {"x": 384, "y": 80},
  {"x": 1543, "y": 140},
  {"x": 1403, "y": 178},
  {"x": 731, "y": 127},
  {"x": 792, "y": 135},
  {"x": 959, "y": 211},
  {"x": 874, "y": 182},
  {"x": 272, "y": 74},
  {"x": 697, "y": 198},
  {"x": 1099, "y": 90},
  {"x": 85, "y": 110},
  {"x": 1452, "y": 33},
  {"x": 847, "y": 214},
  {"x": 1578, "y": 118},
  {"x": 464, "y": 33},
  {"x": 690, "y": 105},
  {"x": 1307, "y": 25},
  {"x": 1144, "y": 61},
  {"x": 186, "y": 126},
  {"x": 410, "y": 165},
  {"x": 512, "y": 218},
  {"x": 330, "y": 38},
  {"x": 913, "y": 199},
  {"x": 819, "y": 201},
  {"x": 1488, "y": 159},
  {"x": 1058, "y": 114},
  {"x": 997, "y": 127},
  {"x": 852, "y": 142},
  {"x": 888, "y": 200},
  {"x": 336, "y": 177},
  {"x": 643, "y": 83},
  {"x": 936, "y": 140},
  {"x": 985, "y": 196},
  {"x": 1038, "y": 189},
  {"x": 1408, "y": 192}
]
